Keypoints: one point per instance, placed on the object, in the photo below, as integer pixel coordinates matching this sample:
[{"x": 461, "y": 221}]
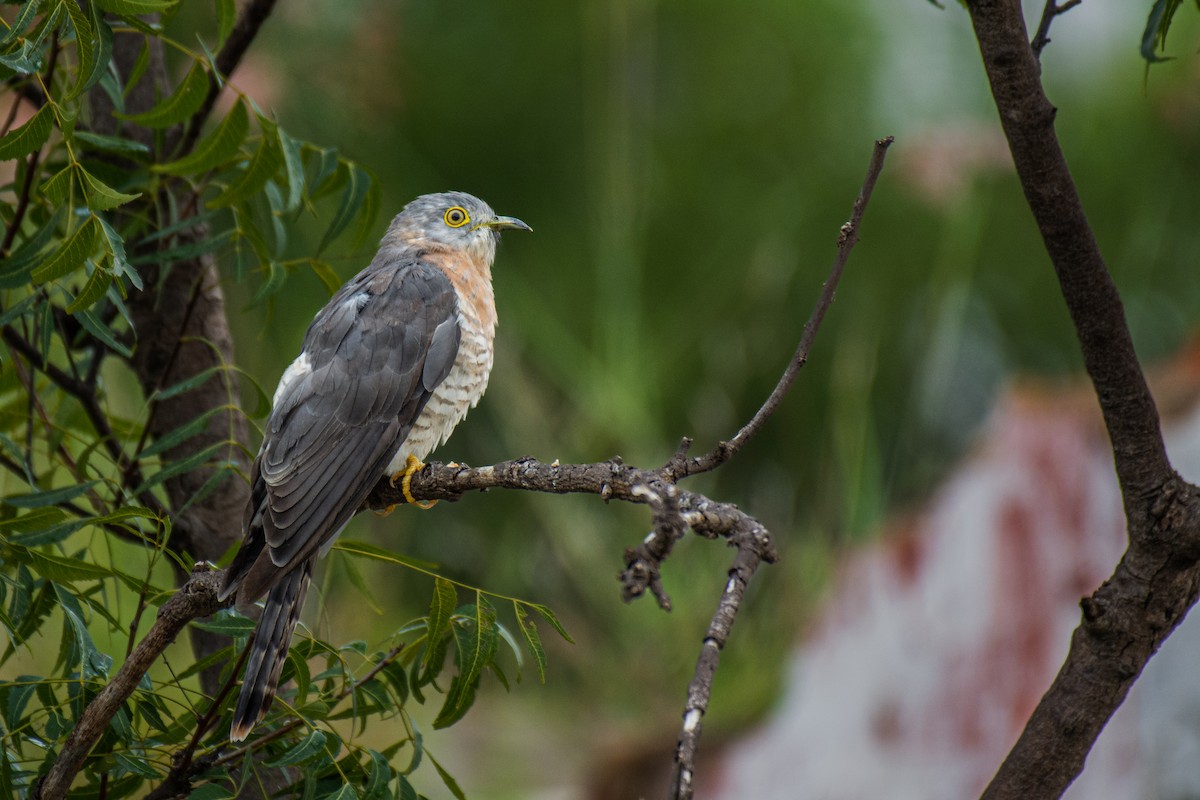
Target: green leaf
[
  {"x": 312, "y": 746},
  {"x": 25, "y": 15},
  {"x": 97, "y": 284},
  {"x": 39, "y": 518},
  {"x": 329, "y": 176},
  {"x": 86, "y": 42},
  {"x": 256, "y": 174},
  {"x": 328, "y": 277},
  {"x": 70, "y": 256},
  {"x": 26, "y": 60},
  {"x": 548, "y": 615},
  {"x": 215, "y": 149},
  {"x": 276, "y": 275},
  {"x": 136, "y": 72},
  {"x": 226, "y": 16},
  {"x": 418, "y": 743},
  {"x": 115, "y": 245},
  {"x": 359, "y": 582},
  {"x": 135, "y": 766},
  {"x": 97, "y": 328},
  {"x": 57, "y": 189},
  {"x": 210, "y": 791},
  {"x": 293, "y": 168},
  {"x": 19, "y": 692},
  {"x": 347, "y": 792},
  {"x": 187, "y": 384},
  {"x": 532, "y": 640},
  {"x": 22, "y": 141},
  {"x": 112, "y": 144},
  {"x": 441, "y": 612},
  {"x": 183, "y": 465},
  {"x": 370, "y": 210},
  {"x": 14, "y": 270},
  {"x": 378, "y": 778},
  {"x": 104, "y": 43},
  {"x": 101, "y": 196},
  {"x": 125, "y": 514},
  {"x": 183, "y": 432},
  {"x": 451, "y": 784},
  {"x": 80, "y": 651},
  {"x": 61, "y": 569},
  {"x": 48, "y": 498},
  {"x": 135, "y": 7},
  {"x": 357, "y": 183},
  {"x": 1154, "y": 37},
  {"x": 186, "y": 252},
  {"x": 475, "y": 642},
  {"x": 183, "y": 102},
  {"x": 405, "y": 790},
  {"x": 226, "y": 623}
]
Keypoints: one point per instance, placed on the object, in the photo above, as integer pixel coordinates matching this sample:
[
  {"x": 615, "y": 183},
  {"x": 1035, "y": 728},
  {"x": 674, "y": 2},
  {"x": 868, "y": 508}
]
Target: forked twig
[{"x": 1051, "y": 10}]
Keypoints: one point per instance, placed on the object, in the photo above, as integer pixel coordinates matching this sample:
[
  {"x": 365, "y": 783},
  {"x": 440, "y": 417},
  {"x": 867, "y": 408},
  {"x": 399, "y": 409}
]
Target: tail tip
[{"x": 240, "y": 730}]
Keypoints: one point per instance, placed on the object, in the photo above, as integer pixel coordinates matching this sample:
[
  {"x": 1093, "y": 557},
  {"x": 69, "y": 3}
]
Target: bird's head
[{"x": 453, "y": 221}]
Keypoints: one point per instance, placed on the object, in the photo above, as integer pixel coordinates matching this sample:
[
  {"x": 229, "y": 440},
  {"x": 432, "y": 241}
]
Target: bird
[{"x": 387, "y": 369}]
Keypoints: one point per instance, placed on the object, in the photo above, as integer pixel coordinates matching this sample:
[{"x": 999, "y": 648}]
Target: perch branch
[{"x": 1157, "y": 580}]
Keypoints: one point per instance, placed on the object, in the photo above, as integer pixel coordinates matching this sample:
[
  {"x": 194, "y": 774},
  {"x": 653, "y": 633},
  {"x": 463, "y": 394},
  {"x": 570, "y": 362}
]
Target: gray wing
[{"x": 376, "y": 352}]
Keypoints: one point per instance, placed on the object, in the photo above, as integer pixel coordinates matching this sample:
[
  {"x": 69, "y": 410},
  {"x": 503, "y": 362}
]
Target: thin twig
[
  {"x": 847, "y": 237},
  {"x": 12, "y": 114},
  {"x": 745, "y": 563},
  {"x": 1051, "y": 10}
]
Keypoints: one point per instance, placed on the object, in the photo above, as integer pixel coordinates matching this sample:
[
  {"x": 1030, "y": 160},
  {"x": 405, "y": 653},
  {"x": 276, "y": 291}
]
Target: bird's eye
[{"x": 456, "y": 216}]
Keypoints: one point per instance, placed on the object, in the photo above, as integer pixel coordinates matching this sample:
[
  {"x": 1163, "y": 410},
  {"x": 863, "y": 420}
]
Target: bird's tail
[{"x": 269, "y": 649}]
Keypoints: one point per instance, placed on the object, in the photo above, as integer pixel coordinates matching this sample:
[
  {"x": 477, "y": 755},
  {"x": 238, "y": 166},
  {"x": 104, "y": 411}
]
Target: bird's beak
[{"x": 507, "y": 224}]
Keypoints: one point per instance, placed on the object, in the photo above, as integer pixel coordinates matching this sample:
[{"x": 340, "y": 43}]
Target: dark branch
[
  {"x": 14, "y": 225},
  {"x": 1091, "y": 297},
  {"x": 1157, "y": 580},
  {"x": 250, "y": 19}
]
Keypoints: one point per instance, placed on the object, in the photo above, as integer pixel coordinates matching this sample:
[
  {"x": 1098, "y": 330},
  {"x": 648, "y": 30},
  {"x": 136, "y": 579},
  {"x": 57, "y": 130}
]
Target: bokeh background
[{"x": 686, "y": 167}]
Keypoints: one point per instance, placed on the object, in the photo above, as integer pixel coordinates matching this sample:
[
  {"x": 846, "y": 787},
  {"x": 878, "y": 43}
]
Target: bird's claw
[{"x": 412, "y": 466}]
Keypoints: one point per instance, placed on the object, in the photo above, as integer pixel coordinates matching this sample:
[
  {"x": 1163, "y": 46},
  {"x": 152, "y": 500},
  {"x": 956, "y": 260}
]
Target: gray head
[{"x": 450, "y": 221}]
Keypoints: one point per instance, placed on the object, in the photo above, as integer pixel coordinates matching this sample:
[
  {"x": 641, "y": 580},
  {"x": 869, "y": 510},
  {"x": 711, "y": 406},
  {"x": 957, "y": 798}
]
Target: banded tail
[{"x": 269, "y": 650}]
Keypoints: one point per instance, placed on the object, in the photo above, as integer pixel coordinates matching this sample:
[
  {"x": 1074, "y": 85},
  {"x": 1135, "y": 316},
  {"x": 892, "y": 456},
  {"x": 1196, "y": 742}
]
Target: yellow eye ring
[{"x": 456, "y": 216}]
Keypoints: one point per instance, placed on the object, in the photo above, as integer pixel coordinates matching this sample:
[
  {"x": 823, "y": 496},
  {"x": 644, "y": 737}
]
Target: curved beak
[{"x": 501, "y": 223}]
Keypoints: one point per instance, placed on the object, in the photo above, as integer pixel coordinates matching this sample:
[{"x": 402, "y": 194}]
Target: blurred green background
[{"x": 686, "y": 166}]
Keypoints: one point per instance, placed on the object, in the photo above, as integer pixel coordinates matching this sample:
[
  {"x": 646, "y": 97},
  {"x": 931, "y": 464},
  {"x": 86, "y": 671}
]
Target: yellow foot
[
  {"x": 412, "y": 466},
  {"x": 387, "y": 512}
]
